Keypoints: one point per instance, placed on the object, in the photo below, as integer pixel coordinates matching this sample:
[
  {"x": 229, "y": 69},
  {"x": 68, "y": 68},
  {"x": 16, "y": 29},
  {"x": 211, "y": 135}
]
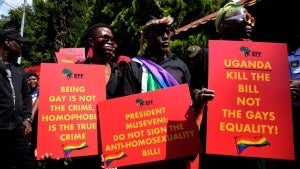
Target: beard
[{"x": 14, "y": 57}]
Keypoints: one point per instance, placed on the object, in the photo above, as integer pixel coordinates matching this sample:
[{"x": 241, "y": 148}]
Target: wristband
[{"x": 29, "y": 120}]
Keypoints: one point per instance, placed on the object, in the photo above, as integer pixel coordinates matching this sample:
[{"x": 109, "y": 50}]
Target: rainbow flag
[
  {"x": 70, "y": 148},
  {"x": 116, "y": 156},
  {"x": 154, "y": 76},
  {"x": 242, "y": 142}
]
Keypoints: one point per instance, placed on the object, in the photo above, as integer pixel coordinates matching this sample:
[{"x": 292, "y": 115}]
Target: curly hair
[{"x": 168, "y": 20}]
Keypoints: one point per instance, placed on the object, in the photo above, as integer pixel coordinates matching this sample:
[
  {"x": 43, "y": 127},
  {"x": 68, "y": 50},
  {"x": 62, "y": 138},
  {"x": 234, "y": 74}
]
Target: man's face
[
  {"x": 159, "y": 38},
  {"x": 101, "y": 42},
  {"x": 14, "y": 48},
  {"x": 238, "y": 24}
]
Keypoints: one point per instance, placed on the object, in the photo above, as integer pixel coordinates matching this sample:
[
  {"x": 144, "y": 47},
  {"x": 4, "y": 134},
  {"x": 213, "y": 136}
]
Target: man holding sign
[
  {"x": 99, "y": 37},
  {"x": 158, "y": 68}
]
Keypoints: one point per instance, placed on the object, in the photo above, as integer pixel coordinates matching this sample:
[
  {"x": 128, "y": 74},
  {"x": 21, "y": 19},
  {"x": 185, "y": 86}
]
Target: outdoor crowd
[{"x": 19, "y": 92}]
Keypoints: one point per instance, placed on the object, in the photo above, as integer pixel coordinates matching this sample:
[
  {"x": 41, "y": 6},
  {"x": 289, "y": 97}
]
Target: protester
[
  {"x": 198, "y": 64},
  {"x": 15, "y": 104},
  {"x": 295, "y": 95},
  {"x": 33, "y": 83},
  {"x": 294, "y": 65},
  {"x": 99, "y": 41},
  {"x": 233, "y": 22},
  {"x": 157, "y": 55}
]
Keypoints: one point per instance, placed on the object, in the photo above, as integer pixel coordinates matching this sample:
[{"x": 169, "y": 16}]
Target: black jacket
[
  {"x": 12, "y": 115},
  {"x": 132, "y": 79}
]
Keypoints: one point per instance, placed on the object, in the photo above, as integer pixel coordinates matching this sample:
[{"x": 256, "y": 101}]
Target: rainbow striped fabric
[
  {"x": 244, "y": 142},
  {"x": 154, "y": 77},
  {"x": 111, "y": 157},
  {"x": 68, "y": 149}
]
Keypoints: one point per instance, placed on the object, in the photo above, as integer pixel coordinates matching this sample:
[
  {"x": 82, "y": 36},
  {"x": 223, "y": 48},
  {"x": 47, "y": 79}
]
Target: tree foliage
[{"x": 54, "y": 24}]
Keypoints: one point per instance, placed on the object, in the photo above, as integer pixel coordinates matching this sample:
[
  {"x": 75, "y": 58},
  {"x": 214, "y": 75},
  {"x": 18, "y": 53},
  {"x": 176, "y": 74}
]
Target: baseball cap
[
  {"x": 11, "y": 34},
  {"x": 193, "y": 51}
]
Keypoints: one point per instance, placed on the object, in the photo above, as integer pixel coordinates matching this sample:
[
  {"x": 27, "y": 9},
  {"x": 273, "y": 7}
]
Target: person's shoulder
[
  {"x": 173, "y": 56},
  {"x": 18, "y": 67},
  {"x": 16, "y": 64},
  {"x": 113, "y": 65},
  {"x": 134, "y": 61}
]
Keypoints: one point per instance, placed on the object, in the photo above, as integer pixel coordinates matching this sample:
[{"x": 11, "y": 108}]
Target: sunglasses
[
  {"x": 105, "y": 37},
  {"x": 245, "y": 16},
  {"x": 162, "y": 30}
]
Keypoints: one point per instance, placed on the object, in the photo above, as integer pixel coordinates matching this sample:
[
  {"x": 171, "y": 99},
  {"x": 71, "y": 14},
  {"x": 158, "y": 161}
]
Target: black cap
[{"x": 11, "y": 34}]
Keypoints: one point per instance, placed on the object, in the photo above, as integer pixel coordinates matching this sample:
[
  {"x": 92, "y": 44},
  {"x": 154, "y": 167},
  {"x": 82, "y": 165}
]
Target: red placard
[
  {"x": 79, "y": 53},
  {"x": 35, "y": 69},
  {"x": 65, "y": 57},
  {"x": 148, "y": 127},
  {"x": 67, "y": 117},
  {"x": 251, "y": 114}
]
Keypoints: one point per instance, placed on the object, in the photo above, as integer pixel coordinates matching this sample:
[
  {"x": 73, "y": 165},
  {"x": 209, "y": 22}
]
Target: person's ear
[
  {"x": 6, "y": 45},
  {"x": 7, "y": 42}
]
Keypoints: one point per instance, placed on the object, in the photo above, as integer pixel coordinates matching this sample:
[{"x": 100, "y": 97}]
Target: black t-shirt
[
  {"x": 132, "y": 79},
  {"x": 199, "y": 71}
]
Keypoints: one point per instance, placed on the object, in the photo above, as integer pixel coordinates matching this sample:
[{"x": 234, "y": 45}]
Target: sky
[{"x": 6, "y": 5}]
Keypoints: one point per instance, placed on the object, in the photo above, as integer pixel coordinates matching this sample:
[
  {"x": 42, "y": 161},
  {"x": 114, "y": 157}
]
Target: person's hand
[
  {"x": 109, "y": 51},
  {"x": 103, "y": 166},
  {"x": 28, "y": 127},
  {"x": 204, "y": 95},
  {"x": 46, "y": 156},
  {"x": 46, "y": 160}
]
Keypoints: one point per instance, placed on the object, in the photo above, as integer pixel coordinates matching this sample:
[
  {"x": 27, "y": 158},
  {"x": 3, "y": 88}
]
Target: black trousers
[{"x": 14, "y": 151}]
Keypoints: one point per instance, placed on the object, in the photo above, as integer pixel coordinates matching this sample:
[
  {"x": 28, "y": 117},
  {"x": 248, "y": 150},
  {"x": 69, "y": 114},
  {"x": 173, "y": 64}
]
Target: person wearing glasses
[
  {"x": 102, "y": 49},
  {"x": 100, "y": 41},
  {"x": 15, "y": 104},
  {"x": 233, "y": 22},
  {"x": 156, "y": 62}
]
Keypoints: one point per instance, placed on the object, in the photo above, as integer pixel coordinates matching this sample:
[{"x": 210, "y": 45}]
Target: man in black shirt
[
  {"x": 15, "y": 104},
  {"x": 139, "y": 77}
]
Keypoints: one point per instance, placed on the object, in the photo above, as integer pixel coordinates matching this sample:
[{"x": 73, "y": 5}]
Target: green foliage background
[{"x": 54, "y": 24}]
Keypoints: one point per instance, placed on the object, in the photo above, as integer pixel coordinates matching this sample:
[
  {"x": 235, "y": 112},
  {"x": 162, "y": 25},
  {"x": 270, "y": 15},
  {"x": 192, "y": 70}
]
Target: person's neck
[
  {"x": 157, "y": 53},
  {"x": 99, "y": 60},
  {"x": 33, "y": 89},
  {"x": 3, "y": 59}
]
